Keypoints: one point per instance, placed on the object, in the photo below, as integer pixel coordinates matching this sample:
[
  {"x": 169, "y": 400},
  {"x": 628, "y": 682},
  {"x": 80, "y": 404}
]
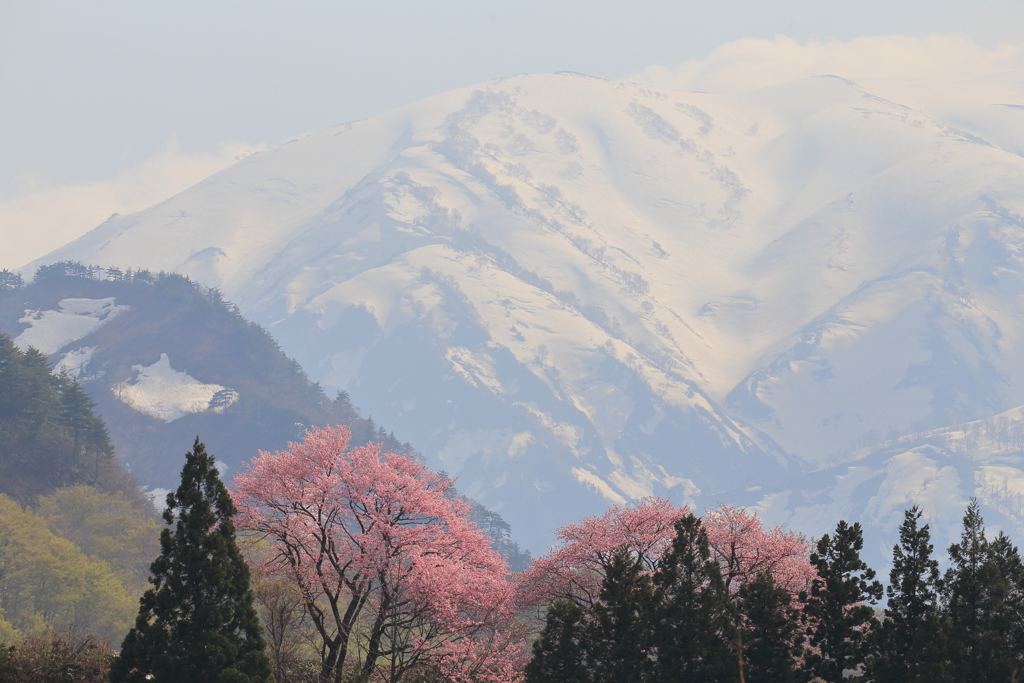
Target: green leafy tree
[
  {"x": 108, "y": 526},
  {"x": 562, "y": 653},
  {"x": 197, "y": 623},
  {"x": 48, "y": 583},
  {"x": 770, "y": 632},
  {"x": 838, "y": 605},
  {"x": 692, "y": 622},
  {"x": 911, "y": 644}
]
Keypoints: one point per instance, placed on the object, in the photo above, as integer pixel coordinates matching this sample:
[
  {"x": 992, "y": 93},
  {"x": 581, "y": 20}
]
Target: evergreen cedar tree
[
  {"x": 395, "y": 577},
  {"x": 910, "y": 645},
  {"x": 197, "y": 624},
  {"x": 982, "y": 598},
  {"x": 769, "y": 641},
  {"x": 620, "y": 640},
  {"x": 562, "y": 652},
  {"x": 838, "y": 605},
  {"x": 692, "y": 623}
]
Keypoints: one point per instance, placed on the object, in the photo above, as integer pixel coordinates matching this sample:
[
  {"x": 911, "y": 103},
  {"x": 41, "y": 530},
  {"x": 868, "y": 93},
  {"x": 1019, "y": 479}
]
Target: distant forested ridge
[{"x": 268, "y": 399}]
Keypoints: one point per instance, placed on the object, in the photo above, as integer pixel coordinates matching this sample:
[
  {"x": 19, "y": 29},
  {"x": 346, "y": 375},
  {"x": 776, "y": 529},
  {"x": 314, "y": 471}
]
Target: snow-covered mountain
[
  {"x": 938, "y": 469},
  {"x": 568, "y": 291}
]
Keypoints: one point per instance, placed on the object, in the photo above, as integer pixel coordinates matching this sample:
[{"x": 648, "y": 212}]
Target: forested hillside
[
  {"x": 165, "y": 359},
  {"x": 76, "y": 532},
  {"x": 50, "y": 435}
]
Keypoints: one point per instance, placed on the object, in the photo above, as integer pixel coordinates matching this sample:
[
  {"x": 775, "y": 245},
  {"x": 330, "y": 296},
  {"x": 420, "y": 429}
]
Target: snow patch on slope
[
  {"x": 74, "y": 362},
  {"x": 49, "y": 331},
  {"x": 167, "y": 394}
]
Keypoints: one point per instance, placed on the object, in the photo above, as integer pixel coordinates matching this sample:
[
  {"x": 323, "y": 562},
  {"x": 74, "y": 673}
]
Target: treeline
[
  {"x": 718, "y": 606},
  {"x": 49, "y": 435},
  {"x": 357, "y": 564},
  {"x": 644, "y": 593}
]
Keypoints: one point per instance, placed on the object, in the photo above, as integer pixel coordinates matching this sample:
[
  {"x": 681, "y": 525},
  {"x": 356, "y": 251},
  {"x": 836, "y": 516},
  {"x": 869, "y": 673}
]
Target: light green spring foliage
[
  {"x": 80, "y": 558},
  {"x": 108, "y": 527}
]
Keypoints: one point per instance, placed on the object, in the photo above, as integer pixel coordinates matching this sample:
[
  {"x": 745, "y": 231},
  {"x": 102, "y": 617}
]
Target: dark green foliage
[
  {"x": 692, "y": 623},
  {"x": 49, "y": 434},
  {"x": 978, "y": 599},
  {"x": 500, "y": 533},
  {"x": 911, "y": 644},
  {"x": 770, "y": 632},
  {"x": 620, "y": 640},
  {"x": 56, "y": 658},
  {"x": 1007, "y": 559},
  {"x": 562, "y": 653},
  {"x": 198, "y": 622},
  {"x": 838, "y": 606}
]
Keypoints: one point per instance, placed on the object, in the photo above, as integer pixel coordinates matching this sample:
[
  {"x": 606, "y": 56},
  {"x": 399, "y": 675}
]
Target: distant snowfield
[
  {"x": 939, "y": 470},
  {"x": 75, "y": 362},
  {"x": 569, "y": 291},
  {"x": 167, "y": 394},
  {"x": 49, "y": 331}
]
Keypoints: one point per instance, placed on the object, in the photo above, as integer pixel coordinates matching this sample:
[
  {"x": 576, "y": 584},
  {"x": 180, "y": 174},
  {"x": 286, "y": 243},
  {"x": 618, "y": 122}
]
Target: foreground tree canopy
[
  {"x": 392, "y": 572},
  {"x": 724, "y": 600},
  {"x": 197, "y": 623}
]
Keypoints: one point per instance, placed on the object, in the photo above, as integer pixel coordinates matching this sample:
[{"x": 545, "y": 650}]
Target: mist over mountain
[{"x": 568, "y": 292}]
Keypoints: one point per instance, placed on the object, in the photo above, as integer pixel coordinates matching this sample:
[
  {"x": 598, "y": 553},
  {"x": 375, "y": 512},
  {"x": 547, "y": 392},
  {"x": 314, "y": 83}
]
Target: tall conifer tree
[
  {"x": 562, "y": 653},
  {"x": 975, "y": 596},
  {"x": 197, "y": 624},
  {"x": 692, "y": 625},
  {"x": 838, "y": 606},
  {"x": 911, "y": 642},
  {"x": 1006, "y": 557},
  {"x": 620, "y": 640},
  {"x": 769, "y": 631}
]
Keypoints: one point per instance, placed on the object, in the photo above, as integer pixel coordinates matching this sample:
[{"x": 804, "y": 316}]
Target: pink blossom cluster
[
  {"x": 574, "y": 568},
  {"x": 386, "y": 559},
  {"x": 395, "y": 575}
]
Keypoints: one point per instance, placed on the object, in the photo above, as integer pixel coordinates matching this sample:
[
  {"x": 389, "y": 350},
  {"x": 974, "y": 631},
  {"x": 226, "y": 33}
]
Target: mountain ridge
[{"x": 567, "y": 289}]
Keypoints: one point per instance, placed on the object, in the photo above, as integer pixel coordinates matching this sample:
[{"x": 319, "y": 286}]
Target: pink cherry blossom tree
[
  {"x": 574, "y": 568},
  {"x": 392, "y": 573},
  {"x": 744, "y": 549}
]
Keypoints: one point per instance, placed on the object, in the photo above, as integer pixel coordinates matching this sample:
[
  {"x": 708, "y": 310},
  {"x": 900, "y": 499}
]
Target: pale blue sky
[{"x": 89, "y": 90}]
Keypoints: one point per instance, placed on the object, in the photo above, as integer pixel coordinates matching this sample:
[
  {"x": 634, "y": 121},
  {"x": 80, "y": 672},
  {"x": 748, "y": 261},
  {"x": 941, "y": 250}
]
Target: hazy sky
[{"x": 110, "y": 106}]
